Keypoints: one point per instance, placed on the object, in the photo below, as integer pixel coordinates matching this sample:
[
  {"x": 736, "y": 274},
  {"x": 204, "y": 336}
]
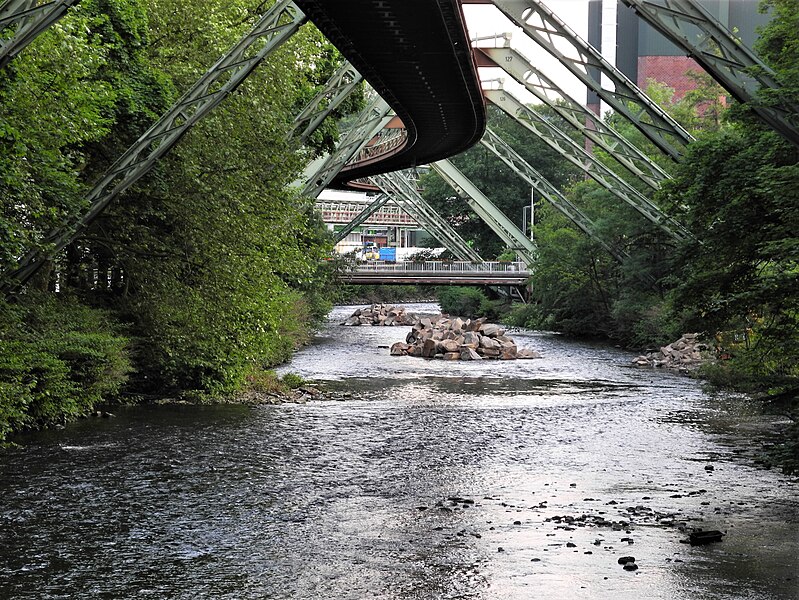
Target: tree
[
  {"x": 502, "y": 186},
  {"x": 740, "y": 188}
]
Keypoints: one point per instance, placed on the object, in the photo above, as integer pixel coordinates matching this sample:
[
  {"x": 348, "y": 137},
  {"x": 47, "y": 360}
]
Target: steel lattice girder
[
  {"x": 584, "y": 61},
  {"x": 273, "y": 28},
  {"x": 361, "y": 217},
  {"x": 371, "y": 120},
  {"x": 338, "y": 87},
  {"x": 487, "y": 211},
  {"x": 523, "y": 169},
  {"x": 30, "y": 18},
  {"x": 737, "y": 68},
  {"x": 578, "y": 116},
  {"x": 404, "y": 193},
  {"x": 572, "y": 152}
]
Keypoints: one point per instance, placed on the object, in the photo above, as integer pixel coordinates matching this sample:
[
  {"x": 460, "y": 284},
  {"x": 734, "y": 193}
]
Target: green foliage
[
  {"x": 376, "y": 294},
  {"x": 293, "y": 380},
  {"x": 741, "y": 192},
  {"x": 461, "y": 301},
  {"x": 499, "y": 183},
  {"x": 266, "y": 380},
  {"x": 58, "y": 359},
  {"x": 212, "y": 259}
]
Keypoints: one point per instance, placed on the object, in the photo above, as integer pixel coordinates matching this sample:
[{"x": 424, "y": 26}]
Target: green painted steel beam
[
  {"x": 583, "y": 60},
  {"x": 340, "y": 85},
  {"x": 725, "y": 57},
  {"x": 576, "y": 155},
  {"x": 362, "y": 216},
  {"x": 275, "y": 27},
  {"x": 522, "y": 168},
  {"x": 369, "y": 123},
  {"x": 487, "y": 211},
  {"x": 29, "y": 18},
  {"x": 577, "y": 115},
  {"x": 402, "y": 189}
]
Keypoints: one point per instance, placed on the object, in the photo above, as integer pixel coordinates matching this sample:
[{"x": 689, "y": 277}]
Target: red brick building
[{"x": 642, "y": 53}]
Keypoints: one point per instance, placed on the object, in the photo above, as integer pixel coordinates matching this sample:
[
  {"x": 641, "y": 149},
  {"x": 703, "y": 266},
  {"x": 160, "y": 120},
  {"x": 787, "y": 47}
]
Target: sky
[{"x": 486, "y": 20}]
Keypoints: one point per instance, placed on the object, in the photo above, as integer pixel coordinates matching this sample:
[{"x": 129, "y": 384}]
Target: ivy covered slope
[{"x": 205, "y": 272}]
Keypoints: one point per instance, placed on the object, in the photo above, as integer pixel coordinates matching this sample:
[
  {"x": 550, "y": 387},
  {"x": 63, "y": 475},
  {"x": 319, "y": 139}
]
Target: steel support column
[
  {"x": 574, "y": 153},
  {"x": 369, "y": 123},
  {"x": 338, "y": 87},
  {"x": 487, "y": 211},
  {"x": 583, "y": 60},
  {"x": 737, "y": 68},
  {"x": 30, "y": 17},
  {"x": 404, "y": 192},
  {"x": 577, "y": 115},
  {"x": 274, "y": 28},
  {"x": 362, "y": 216},
  {"x": 523, "y": 169}
]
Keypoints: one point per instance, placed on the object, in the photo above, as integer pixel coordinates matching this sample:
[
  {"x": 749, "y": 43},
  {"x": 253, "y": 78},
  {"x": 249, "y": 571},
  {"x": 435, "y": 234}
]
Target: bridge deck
[{"x": 439, "y": 273}]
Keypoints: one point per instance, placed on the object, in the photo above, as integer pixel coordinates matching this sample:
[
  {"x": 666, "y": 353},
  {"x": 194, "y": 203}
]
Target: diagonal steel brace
[
  {"x": 30, "y": 19},
  {"x": 577, "y": 115},
  {"x": 523, "y": 169},
  {"x": 730, "y": 62},
  {"x": 499, "y": 223},
  {"x": 576, "y": 155},
  {"x": 584, "y": 61},
  {"x": 275, "y": 27}
]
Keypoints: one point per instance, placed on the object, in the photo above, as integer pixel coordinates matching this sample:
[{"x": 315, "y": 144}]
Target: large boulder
[
  {"x": 399, "y": 349},
  {"x": 448, "y": 346},
  {"x": 456, "y": 339},
  {"x": 491, "y": 330},
  {"x": 684, "y": 354},
  {"x": 471, "y": 339},
  {"x": 429, "y": 348},
  {"x": 469, "y": 354},
  {"x": 487, "y": 343}
]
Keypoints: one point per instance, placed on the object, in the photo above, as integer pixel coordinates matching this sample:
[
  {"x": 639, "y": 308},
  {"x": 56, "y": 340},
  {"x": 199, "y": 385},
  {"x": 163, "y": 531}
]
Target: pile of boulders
[
  {"x": 684, "y": 354},
  {"x": 456, "y": 339},
  {"x": 382, "y": 314}
]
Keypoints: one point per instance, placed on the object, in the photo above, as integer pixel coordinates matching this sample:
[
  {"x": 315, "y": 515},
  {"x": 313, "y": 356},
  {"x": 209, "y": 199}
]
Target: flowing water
[{"x": 431, "y": 479}]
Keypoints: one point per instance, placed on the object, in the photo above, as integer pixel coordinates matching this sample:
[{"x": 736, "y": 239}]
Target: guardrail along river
[{"x": 431, "y": 479}]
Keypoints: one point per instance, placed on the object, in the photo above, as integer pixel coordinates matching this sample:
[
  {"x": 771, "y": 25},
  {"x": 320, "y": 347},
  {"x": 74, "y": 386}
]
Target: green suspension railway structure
[{"x": 427, "y": 105}]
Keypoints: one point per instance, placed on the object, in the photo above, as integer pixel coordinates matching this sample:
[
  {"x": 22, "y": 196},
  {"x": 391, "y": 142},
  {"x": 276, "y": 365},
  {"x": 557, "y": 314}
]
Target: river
[{"x": 428, "y": 479}]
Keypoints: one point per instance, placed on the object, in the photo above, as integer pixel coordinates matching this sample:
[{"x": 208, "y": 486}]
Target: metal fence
[{"x": 439, "y": 266}]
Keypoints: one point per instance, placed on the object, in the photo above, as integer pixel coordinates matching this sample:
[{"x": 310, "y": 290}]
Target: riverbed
[{"x": 428, "y": 479}]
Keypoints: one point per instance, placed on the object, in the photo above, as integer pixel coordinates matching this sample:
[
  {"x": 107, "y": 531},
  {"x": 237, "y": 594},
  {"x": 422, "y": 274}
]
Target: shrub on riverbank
[
  {"x": 58, "y": 359},
  {"x": 470, "y": 302}
]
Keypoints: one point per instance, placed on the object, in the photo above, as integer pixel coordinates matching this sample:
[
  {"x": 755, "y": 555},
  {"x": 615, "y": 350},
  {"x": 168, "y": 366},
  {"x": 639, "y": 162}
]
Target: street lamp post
[{"x": 531, "y": 220}]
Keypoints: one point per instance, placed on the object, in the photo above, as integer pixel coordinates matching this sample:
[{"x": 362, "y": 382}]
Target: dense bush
[
  {"x": 461, "y": 301},
  {"x": 371, "y": 294},
  {"x": 212, "y": 260},
  {"x": 58, "y": 359}
]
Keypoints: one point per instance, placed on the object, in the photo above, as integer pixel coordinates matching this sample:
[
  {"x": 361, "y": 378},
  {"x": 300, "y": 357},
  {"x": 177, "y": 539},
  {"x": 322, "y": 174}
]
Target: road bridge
[{"x": 515, "y": 274}]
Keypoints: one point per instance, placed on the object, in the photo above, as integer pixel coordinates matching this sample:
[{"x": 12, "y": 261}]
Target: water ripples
[{"x": 354, "y": 499}]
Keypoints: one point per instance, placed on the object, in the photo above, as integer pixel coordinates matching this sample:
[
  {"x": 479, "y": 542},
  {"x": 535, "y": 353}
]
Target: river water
[{"x": 479, "y": 480}]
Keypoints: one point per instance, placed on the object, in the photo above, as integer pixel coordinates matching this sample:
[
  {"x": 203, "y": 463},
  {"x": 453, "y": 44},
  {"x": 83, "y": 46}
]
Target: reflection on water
[{"x": 517, "y": 479}]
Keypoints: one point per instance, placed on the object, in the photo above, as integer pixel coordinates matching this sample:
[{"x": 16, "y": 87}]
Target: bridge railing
[{"x": 438, "y": 266}]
